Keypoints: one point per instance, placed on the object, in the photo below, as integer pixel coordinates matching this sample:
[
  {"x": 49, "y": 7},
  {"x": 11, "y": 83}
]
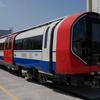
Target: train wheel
[
  {"x": 42, "y": 78},
  {"x": 19, "y": 71},
  {"x": 28, "y": 75}
]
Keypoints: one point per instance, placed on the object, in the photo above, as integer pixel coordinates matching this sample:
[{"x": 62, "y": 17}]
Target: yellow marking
[{"x": 7, "y": 93}]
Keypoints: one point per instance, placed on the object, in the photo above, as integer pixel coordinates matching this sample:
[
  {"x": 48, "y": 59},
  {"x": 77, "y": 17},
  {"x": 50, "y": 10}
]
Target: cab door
[{"x": 8, "y": 50}]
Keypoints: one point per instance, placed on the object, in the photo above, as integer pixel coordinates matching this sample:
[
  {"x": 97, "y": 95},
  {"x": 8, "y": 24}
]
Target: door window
[{"x": 8, "y": 43}]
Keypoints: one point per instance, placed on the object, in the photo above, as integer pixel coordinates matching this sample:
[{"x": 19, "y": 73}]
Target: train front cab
[{"x": 78, "y": 45}]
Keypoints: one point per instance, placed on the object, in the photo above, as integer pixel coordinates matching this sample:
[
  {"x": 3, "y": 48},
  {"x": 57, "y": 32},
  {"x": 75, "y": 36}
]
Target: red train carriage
[{"x": 65, "y": 49}]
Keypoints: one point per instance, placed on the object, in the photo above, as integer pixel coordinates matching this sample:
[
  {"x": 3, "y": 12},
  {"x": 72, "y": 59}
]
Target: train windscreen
[{"x": 86, "y": 38}]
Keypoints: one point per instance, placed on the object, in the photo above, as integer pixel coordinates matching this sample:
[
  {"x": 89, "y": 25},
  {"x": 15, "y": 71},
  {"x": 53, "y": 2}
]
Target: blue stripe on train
[
  {"x": 30, "y": 63},
  {"x": 39, "y": 64},
  {"x": 1, "y": 57}
]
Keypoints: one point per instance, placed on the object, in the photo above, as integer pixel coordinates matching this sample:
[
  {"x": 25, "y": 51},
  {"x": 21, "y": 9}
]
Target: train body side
[
  {"x": 16, "y": 48},
  {"x": 46, "y": 48},
  {"x": 37, "y": 48}
]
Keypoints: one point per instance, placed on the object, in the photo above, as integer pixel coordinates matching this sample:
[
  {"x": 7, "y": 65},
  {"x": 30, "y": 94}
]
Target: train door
[
  {"x": 8, "y": 49},
  {"x": 48, "y": 48},
  {"x": 45, "y": 52},
  {"x": 52, "y": 50}
]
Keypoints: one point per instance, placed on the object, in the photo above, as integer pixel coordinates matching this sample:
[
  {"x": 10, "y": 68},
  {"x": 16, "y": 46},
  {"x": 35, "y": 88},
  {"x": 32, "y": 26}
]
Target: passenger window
[
  {"x": 32, "y": 43},
  {"x": 1, "y": 46}
]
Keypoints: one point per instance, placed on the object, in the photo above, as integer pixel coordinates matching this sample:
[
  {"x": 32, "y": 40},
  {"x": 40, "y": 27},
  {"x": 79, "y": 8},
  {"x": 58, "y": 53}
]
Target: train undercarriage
[
  {"x": 89, "y": 80},
  {"x": 83, "y": 86}
]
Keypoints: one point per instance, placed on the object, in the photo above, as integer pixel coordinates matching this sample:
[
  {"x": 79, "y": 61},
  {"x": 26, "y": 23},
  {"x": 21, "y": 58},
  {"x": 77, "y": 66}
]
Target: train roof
[
  {"x": 47, "y": 23},
  {"x": 40, "y": 25},
  {"x": 37, "y": 26}
]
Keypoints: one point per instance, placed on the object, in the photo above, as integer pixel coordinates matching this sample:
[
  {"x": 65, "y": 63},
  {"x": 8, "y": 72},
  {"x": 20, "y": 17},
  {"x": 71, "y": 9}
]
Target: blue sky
[{"x": 21, "y": 14}]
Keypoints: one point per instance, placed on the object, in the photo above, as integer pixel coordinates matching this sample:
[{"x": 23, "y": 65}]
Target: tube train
[{"x": 63, "y": 50}]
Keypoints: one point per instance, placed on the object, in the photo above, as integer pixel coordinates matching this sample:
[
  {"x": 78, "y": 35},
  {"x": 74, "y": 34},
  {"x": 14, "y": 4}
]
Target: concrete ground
[{"x": 13, "y": 87}]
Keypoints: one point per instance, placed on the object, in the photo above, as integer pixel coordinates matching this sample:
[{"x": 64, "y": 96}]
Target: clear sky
[{"x": 21, "y": 14}]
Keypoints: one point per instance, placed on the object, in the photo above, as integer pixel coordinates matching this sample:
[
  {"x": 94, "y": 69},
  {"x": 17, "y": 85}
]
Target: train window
[
  {"x": 8, "y": 43},
  {"x": 32, "y": 43},
  {"x": 79, "y": 42},
  {"x": 46, "y": 36},
  {"x": 95, "y": 32},
  {"x": 86, "y": 39},
  {"x": 1, "y": 46},
  {"x": 79, "y": 31},
  {"x": 18, "y": 44},
  {"x": 37, "y": 42}
]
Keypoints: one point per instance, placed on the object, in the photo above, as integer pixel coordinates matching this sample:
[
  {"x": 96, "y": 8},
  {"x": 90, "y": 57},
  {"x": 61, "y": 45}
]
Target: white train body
[{"x": 39, "y": 58}]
